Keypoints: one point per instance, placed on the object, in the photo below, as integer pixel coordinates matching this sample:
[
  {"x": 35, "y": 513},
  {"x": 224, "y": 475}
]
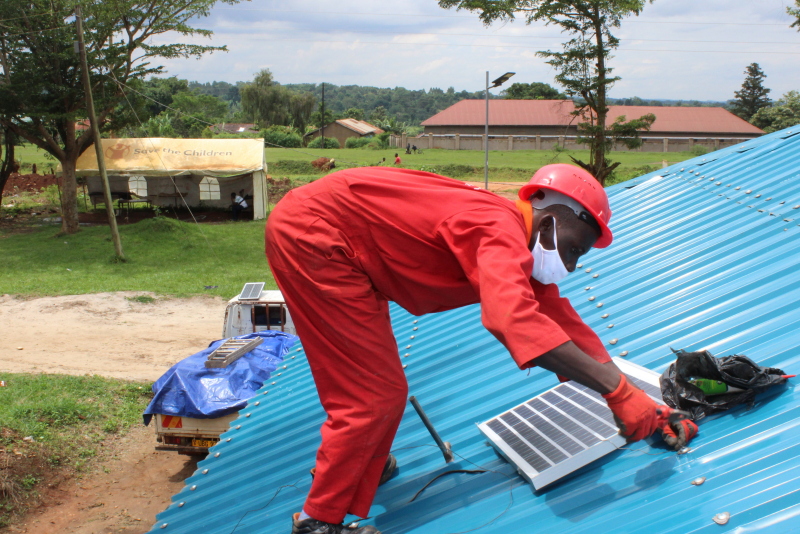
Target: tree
[
  {"x": 196, "y": 111},
  {"x": 41, "y": 94},
  {"x": 354, "y": 113},
  {"x": 785, "y": 113},
  {"x": 795, "y": 12},
  {"x": 753, "y": 95},
  {"x": 318, "y": 120},
  {"x": 378, "y": 114},
  {"x": 158, "y": 92},
  {"x": 268, "y": 103},
  {"x": 582, "y": 65},
  {"x": 392, "y": 125},
  {"x": 532, "y": 91},
  {"x": 7, "y": 162}
]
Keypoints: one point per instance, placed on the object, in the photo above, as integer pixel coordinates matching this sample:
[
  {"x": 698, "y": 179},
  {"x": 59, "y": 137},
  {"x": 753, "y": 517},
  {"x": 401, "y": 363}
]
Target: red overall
[{"x": 340, "y": 248}]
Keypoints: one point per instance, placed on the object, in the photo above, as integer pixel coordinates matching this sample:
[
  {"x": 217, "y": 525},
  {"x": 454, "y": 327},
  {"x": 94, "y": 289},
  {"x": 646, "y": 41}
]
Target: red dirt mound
[{"x": 30, "y": 182}]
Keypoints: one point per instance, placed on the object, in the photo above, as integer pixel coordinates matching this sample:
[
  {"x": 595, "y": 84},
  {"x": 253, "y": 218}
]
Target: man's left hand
[{"x": 678, "y": 433}]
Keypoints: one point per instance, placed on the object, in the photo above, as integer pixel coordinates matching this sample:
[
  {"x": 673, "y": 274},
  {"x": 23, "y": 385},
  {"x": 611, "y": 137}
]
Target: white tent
[{"x": 169, "y": 172}]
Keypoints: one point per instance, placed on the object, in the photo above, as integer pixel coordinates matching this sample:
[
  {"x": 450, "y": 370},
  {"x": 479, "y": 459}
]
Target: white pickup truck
[{"x": 186, "y": 435}]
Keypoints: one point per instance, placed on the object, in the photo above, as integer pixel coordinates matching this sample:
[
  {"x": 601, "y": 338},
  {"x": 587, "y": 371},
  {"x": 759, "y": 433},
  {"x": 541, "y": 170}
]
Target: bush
[
  {"x": 357, "y": 142},
  {"x": 330, "y": 142},
  {"x": 281, "y": 136},
  {"x": 698, "y": 150}
]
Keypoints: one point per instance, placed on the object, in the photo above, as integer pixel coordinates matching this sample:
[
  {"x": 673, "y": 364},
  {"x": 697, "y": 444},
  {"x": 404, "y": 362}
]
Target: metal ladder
[{"x": 231, "y": 350}]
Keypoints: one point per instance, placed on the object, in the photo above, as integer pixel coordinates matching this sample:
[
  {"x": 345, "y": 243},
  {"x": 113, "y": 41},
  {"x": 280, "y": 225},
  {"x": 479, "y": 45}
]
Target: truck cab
[{"x": 267, "y": 312}]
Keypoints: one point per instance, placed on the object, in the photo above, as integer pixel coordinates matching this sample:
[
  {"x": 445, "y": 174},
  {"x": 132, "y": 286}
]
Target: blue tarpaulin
[{"x": 191, "y": 389}]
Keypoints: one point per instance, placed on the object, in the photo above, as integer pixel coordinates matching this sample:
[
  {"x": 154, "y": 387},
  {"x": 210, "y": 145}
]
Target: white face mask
[{"x": 547, "y": 265}]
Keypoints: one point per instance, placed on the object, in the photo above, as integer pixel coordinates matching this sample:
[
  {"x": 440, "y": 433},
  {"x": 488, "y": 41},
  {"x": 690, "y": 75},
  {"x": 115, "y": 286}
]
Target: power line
[
  {"x": 4, "y": 35},
  {"x": 345, "y": 32},
  {"x": 67, "y": 14},
  {"x": 417, "y": 15},
  {"x": 500, "y": 45}
]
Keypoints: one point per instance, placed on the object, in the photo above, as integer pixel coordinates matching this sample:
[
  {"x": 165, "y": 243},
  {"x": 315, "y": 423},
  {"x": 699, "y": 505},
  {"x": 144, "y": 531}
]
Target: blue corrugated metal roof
[{"x": 706, "y": 257}]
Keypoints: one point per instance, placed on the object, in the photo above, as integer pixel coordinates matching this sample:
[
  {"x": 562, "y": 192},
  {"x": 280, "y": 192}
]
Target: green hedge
[
  {"x": 357, "y": 142},
  {"x": 330, "y": 142},
  {"x": 281, "y": 136}
]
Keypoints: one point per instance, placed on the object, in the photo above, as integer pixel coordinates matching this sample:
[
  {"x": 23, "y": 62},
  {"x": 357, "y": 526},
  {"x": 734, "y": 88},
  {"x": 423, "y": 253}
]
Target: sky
[{"x": 676, "y": 49}]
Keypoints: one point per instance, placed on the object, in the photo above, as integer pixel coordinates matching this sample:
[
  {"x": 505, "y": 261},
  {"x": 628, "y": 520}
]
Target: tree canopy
[
  {"x": 268, "y": 103},
  {"x": 42, "y": 95},
  {"x": 753, "y": 95},
  {"x": 532, "y": 91},
  {"x": 795, "y": 12},
  {"x": 785, "y": 113},
  {"x": 582, "y": 64}
]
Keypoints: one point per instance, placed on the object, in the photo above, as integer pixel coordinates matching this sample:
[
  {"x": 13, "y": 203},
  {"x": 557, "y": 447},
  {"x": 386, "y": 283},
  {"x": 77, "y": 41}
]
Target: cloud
[{"x": 681, "y": 49}]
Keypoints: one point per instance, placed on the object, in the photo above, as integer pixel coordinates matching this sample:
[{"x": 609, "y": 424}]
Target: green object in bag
[{"x": 713, "y": 387}]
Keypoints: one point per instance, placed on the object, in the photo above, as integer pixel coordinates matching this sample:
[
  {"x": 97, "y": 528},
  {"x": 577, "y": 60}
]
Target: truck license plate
[{"x": 203, "y": 443}]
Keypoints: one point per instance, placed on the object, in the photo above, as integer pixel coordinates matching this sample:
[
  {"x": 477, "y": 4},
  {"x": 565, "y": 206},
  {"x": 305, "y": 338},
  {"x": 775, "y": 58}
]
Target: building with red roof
[
  {"x": 553, "y": 118},
  {"x": 343, "y": 129}
]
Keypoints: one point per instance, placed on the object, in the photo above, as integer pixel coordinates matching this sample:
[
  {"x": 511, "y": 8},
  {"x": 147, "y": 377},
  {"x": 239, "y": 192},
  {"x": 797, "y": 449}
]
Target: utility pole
[
  {"x": 323, "y": 115},
  {"x": 486, "y": 139},
  {"x": 497, "y": 83},
  {"x": 98, "y": 147}
]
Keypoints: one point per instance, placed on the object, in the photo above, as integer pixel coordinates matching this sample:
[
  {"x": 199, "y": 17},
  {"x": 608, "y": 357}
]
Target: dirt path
[
  {"x": 105, "y": 333},
  {"x": 130, "y": 483},
  {"x": 121, "y": 495}
]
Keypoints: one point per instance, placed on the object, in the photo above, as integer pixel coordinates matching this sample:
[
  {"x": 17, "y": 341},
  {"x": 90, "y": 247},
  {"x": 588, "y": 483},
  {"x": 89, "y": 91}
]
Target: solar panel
[
  {"x": 563, "y": 429},
  {"x": 251, "y": 291}
]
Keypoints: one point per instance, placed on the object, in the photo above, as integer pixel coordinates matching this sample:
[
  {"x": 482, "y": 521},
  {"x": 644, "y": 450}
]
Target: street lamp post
[{"x": 497, "y": 83}]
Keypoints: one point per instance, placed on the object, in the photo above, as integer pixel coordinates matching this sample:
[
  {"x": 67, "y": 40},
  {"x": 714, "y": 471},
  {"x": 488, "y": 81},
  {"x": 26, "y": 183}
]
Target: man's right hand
[{"x": 636, "y": 413}]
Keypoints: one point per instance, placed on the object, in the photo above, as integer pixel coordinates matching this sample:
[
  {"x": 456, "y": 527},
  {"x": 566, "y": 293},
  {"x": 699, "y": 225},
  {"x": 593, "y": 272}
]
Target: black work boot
[
  {"x": 388, "y": 469},
  {"x": 312, "y": 526}
]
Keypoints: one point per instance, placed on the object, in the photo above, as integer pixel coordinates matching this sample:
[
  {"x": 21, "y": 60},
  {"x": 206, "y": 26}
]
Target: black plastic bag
[{"x": 737, "y": 371}]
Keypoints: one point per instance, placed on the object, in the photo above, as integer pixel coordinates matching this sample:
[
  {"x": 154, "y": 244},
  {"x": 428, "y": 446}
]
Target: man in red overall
[{"x": 343, "y": 246}]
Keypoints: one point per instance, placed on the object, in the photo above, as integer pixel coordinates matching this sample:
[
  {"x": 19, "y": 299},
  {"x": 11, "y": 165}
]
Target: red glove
[
  {"x": 633, "y": 410},
  {"x": 677, "y": 435}
]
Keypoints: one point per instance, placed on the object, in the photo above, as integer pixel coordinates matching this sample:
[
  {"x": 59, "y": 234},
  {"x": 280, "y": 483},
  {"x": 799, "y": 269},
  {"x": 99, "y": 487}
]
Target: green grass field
[
  {"x": 27, "y": 155},
  {"x": 516, "y": 165},
  {"x": 164, "y": 255}
]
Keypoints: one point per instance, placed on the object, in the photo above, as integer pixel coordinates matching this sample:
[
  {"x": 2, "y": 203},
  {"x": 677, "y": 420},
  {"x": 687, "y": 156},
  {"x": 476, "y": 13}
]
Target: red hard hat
[{"x": 579, "y": 185}]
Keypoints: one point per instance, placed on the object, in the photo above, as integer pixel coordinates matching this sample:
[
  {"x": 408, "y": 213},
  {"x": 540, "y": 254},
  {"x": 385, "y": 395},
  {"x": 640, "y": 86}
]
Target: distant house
[
  {"x": 234, "y": 128},
  {"x": 344, "y": 128},
  {"x": 552, "y": 118}
]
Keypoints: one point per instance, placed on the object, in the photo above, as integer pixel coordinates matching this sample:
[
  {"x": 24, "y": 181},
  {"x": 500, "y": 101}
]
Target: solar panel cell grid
[
  {"x": 553, "y": 433},
  {"x": 579, "y": 433},
  {"x": 251, "y": 291},
  {"x": 561, "y": 429},
  {"x": 533, "y": 437},
  {"x": 518, "y": 446},
  {"x": 600, "y": 410}
]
